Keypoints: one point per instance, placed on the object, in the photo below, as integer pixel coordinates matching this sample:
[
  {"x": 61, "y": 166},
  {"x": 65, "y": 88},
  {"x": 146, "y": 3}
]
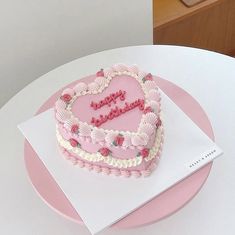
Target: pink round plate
[{"x": 161, "y": 206}]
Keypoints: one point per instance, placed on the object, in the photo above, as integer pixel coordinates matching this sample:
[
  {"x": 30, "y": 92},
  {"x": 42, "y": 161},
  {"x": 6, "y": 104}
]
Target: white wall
[{"x": 39, "y": 35}]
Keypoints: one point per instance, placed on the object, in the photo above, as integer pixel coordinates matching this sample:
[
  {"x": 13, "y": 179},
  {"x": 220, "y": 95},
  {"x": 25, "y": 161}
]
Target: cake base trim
[{"x": 112, "y": 171}]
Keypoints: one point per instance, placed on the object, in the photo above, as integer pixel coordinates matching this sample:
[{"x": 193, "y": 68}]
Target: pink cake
[{"x": 112, "y": 123}]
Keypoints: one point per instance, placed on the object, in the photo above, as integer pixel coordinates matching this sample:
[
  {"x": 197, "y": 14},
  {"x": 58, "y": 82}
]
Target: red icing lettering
[
  {"x": 136, "y": 103},
  {"x": 117, "y": 111},
  {"x": 111, "y": 115},
  {"x": 122, "y": 96},
  {"x": 94, "y": 105},
  {"x": 96, "y": 122},
  {"x": 102, "y": 103},
  {"x": 127, "y": 107},
  {"x": 141, "y": 104},
  {"x": 132, "y": 105},
  {"x": 108, "y": 100},
  {"x": 102, "y": 119}
]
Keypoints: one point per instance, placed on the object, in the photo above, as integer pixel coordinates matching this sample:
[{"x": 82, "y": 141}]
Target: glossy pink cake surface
[
  {"x": 82, "y": 110},
  {"x": 112, "y": 124}
]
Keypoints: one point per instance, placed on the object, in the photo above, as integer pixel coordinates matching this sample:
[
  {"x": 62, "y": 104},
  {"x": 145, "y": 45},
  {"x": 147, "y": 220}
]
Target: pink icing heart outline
[{"x": 148, "y": 120}]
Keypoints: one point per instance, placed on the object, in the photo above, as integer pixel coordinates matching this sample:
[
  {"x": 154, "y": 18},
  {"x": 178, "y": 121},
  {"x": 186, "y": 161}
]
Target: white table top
[{"x": 208, "y": 76}]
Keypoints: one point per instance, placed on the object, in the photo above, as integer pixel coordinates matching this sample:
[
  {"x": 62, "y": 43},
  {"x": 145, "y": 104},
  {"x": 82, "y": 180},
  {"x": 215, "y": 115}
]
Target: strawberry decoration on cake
[
  {"x": 112, "y": 122},
  {"x": 118, "y": 141},
  {"x": 104, "y": 151}
]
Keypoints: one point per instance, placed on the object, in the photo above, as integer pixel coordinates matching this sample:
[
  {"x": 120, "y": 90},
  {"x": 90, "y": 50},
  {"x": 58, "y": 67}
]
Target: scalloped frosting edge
[
  {"x": 113, "y": 161},
  {"x": 113, "y": 171},
  {"x": 149, "y": 88}
]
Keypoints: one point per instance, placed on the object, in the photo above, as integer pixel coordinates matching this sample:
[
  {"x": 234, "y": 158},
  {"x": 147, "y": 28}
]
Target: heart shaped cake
[{"x": 112, "y": 124}]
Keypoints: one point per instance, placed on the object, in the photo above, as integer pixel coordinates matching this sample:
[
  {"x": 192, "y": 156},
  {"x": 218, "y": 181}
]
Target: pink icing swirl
[
  {"x": 144, "y": 138},
  {"x": 84, "y": 129},
  {"x": 110, "y": 137},
  {"x": 80, "y": 87},
  {"x": 93, "y": 87},
  {"x": 149, "y": 85},
  {"x": 141, "y": 74},
  {"x": 136, "y": 140},
  {"x": 127, "y": 141},
  {"x": 155, "y": 106},
  {"x": 101, "y": 81},
  {"x": 60, "y": 104},
  {"x": 108, "y": 72},
  {"x": 62, "y": 115},
  {"x": 153, "y": 95},
  {"x": 133, "y": 69},
  {"x": 120, "y": 68},
  {"x": 147, "y": 128},
  {"x": 68, "y": 91},
  {"x": 150, "y": 118},
  {"x": 98, "y": 135},
  {"x": 70, "y": 122}
]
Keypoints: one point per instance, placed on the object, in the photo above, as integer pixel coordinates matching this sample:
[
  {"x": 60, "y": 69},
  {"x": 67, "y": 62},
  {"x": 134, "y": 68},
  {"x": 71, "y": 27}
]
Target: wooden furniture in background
[
  {"x": 208, "y": 25},
  {"x": 191, "y": 3}
]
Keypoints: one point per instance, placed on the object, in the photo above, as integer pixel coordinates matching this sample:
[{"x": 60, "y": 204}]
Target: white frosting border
[{"x": 109, "y": 160}]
